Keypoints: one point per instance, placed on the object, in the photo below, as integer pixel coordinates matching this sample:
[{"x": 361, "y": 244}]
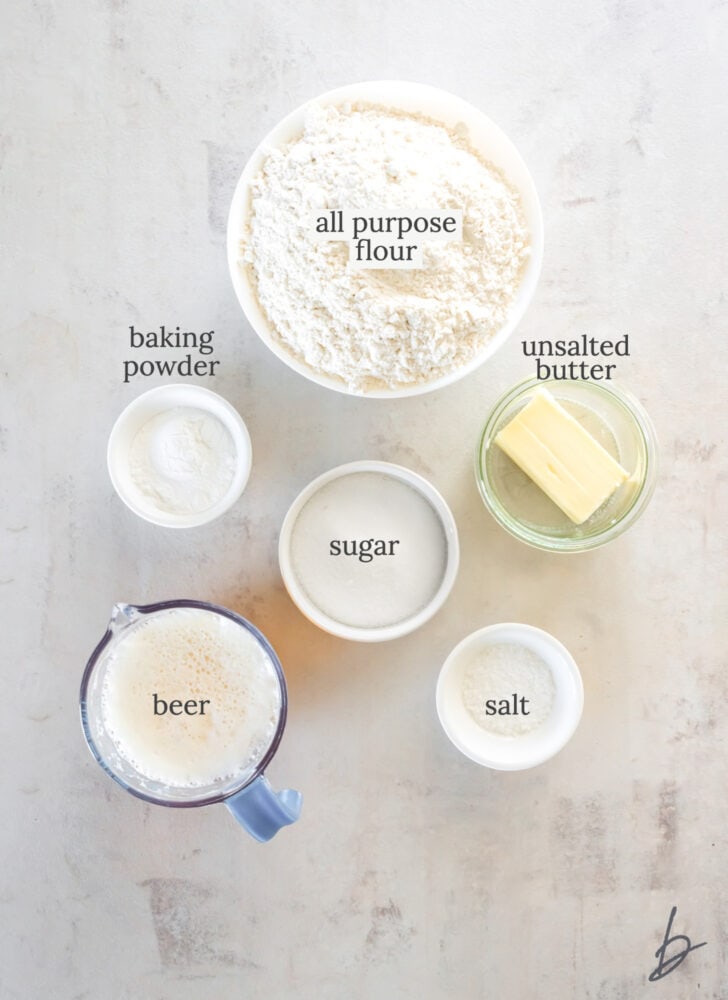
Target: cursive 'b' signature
[{"x": 665, "y": 964}]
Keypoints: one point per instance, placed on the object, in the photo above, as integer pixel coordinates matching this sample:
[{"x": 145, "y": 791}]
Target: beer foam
[{"x": 190, "y": 654}]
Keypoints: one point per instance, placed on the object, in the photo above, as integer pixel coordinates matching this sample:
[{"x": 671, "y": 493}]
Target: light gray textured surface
[{"x": 412, "y": 873}]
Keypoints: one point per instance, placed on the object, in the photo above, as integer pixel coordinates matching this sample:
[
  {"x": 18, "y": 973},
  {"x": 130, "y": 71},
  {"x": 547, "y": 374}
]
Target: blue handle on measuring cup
[{"x": 262, "y": 811}]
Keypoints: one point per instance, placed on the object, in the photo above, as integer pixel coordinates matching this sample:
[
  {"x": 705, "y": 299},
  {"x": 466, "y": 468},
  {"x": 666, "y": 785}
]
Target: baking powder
[
  {"x": 183, "y": 460},
  {"x": 369, "y": 328}
]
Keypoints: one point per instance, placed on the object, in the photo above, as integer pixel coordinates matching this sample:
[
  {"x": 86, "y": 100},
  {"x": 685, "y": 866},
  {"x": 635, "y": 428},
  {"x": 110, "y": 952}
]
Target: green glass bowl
[{"x": 620, "y": 424}]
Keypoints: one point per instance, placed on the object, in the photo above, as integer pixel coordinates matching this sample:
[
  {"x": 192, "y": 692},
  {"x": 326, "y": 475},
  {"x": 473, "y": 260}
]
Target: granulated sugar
[
  {"x": 366, "y": 590},
  {"x": 501, "y": 673},
  {"x": 374, "y": 328}
]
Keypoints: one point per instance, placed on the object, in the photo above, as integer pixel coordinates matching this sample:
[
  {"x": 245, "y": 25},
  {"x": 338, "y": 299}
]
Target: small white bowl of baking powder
[
  {"x": 179, "y": 456},
  {"x": 509, "y": 696}
]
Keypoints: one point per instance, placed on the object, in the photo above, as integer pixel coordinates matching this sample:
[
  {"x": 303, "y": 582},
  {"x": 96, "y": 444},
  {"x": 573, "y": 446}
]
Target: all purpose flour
[{"x": 382, "y": 327}]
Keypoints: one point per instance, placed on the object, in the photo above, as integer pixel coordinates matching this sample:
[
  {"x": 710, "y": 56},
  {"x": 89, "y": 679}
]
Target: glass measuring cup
[{"x": 246, "y": 793}]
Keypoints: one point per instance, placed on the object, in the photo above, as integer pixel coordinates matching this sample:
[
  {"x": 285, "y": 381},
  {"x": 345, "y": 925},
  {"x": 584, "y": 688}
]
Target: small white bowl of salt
[
  {"x": 179, "y": 455},
  {"x": 509, "y": 696}
]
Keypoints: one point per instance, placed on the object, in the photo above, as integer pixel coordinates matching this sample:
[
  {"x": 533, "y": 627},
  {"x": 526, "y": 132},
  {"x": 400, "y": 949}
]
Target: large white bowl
[{"x": 483, "y": 134}]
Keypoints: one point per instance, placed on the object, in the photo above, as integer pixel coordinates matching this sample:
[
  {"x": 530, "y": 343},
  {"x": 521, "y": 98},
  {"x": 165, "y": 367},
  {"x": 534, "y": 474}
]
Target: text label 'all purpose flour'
[
  {"x": 371, "y": 326},
  {"x": 379, "y": 240}
]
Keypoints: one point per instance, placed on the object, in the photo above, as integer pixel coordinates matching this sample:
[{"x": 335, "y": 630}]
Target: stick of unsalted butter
[{"x": 561, "y": 457}]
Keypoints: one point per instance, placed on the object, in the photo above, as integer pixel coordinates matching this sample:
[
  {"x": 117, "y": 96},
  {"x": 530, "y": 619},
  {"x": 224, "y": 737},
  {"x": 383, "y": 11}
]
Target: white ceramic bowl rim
[
  {"x": 519, "y": 752},
  {"x": 407, "y": 625},
  {"x": 143, "y": 408},
  {"x": 484, "y": 135}
]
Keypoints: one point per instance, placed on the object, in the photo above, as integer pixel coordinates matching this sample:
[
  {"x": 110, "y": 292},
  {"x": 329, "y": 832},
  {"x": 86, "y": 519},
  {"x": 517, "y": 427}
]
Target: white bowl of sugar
[
  {"x": 509, "y": 696},
  {"x": 369, "y": 551}
]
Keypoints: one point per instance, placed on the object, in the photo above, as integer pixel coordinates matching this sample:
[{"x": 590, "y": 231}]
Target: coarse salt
[{"x": 499, "y": 672}]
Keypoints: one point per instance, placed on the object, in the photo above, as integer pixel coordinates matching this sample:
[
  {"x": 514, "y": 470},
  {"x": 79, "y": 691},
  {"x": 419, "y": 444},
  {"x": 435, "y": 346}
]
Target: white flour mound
[{"x": 374, "y": 328}]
